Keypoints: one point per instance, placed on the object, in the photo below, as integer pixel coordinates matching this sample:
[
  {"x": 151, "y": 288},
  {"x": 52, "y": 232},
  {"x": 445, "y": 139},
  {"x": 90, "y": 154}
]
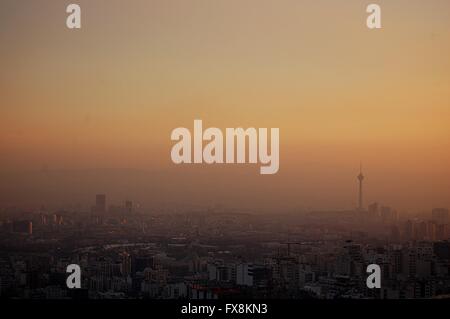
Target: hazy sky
[{"x": 108, "y": 96}]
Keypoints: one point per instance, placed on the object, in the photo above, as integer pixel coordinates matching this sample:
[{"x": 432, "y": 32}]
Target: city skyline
[
  {"x": 124, "y": 254},
  {"x": 125, "y": 184}
]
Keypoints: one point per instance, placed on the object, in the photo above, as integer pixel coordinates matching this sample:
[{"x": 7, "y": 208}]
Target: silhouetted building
[
  {"x": 100, "y": 203},
  {"x": 128, "y": 207}
]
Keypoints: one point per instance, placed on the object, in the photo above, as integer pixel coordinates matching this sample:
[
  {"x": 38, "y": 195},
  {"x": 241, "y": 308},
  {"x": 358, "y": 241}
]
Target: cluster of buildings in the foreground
[{"x": 216, "y": 254}]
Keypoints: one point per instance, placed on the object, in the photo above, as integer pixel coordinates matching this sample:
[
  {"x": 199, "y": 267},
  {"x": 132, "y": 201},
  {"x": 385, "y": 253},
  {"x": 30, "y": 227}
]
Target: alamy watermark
[
  {"x": 73, "y": 20},
  {"x": 231, "y": 147}
]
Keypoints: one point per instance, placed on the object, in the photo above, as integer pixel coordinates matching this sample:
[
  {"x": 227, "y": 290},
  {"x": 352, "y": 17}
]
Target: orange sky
[{"x": 108, "y": 95}]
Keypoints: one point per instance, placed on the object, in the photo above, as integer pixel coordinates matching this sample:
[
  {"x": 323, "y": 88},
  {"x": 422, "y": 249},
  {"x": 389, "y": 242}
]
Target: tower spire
[{"x": 360, "y": 179}]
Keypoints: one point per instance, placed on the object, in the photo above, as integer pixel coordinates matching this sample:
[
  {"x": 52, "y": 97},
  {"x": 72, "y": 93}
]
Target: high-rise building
[
  {"x": 128, "y": 207},
  {"x": 441, "y": 231},
  {"x": 388, "y": 215},
  {"x": 244, "y": 274},
  {"x": 408, "y": 231},
  {"x": 100, "y": 203},
  {"x": 422, "y": 231}
]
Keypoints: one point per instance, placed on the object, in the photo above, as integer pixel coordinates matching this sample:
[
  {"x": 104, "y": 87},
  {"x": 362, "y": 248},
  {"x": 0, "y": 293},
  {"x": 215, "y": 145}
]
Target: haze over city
[{"x": 91, "y": 111}]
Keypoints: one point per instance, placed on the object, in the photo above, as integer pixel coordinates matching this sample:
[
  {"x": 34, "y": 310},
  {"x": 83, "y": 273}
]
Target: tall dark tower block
[{"x": 100, "y": 203}]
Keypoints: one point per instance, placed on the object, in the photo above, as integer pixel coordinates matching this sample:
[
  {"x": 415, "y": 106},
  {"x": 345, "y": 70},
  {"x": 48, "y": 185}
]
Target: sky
[{"x": 94, "y": 106}]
